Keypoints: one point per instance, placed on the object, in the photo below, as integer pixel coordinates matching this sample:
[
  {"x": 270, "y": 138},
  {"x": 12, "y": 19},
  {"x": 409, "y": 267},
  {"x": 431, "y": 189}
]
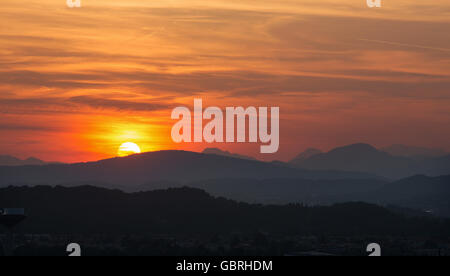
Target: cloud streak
[
  {"x": 100, "y": 103},
  {"x": 405, "y": 45},
  {"x": 338, "y": 70}
]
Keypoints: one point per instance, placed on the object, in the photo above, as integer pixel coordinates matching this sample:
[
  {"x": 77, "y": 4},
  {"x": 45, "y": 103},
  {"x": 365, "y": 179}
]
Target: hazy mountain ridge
[
  {"x": 178, "y": 166},
  {"x": 256, "y": 181},
  {"x": 7, "y": 160},
  {"x": 348, "y": 160},
  {"x": 368, "y": 159}
]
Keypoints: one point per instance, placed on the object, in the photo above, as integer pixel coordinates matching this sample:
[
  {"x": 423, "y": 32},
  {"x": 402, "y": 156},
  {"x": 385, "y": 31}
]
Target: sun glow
[{"x": 127, "y": 149}]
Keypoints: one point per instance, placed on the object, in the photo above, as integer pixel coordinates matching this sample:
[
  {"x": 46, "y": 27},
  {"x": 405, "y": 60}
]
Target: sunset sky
[{"x": 77, "y": 83}]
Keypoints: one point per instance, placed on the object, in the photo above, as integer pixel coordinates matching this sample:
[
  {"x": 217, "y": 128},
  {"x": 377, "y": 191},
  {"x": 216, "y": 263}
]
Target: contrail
[{"x": 405, "y": 45}]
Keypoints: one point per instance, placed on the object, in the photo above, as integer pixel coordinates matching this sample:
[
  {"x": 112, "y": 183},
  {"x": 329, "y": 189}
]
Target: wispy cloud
[
  {"x": 406, "y": 45},
  {"x": 336, "y": 68},
  {"x": 119, "y": 104}
]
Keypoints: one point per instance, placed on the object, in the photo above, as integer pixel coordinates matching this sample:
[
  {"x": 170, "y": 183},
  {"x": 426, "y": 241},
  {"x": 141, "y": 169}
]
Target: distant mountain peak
[
  {"x": 8, "y": 160},
  {"x": 358, "y": 157}
]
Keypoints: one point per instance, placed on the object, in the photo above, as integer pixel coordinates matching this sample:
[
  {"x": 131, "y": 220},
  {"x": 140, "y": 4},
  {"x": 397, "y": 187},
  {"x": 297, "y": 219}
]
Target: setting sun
[{"x": 128, "y": 149}]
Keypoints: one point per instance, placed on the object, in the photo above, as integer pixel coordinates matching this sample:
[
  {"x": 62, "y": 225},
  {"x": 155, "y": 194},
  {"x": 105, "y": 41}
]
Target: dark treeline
[{"x": 186, "y": 211}]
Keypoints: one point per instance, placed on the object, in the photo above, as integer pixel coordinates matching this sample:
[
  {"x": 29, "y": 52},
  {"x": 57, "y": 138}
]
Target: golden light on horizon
[
  {"x": 127, "y": 149},
  {"x": 105, "y": 134}
]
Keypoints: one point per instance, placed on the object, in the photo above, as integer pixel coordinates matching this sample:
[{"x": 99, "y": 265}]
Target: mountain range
[
  {"x": 393, "y": 162},
  {"x": 356, "y": 172},
  {"x": 368, "y": 159},
  {"x": 352, "y": 161},
  {"x": 180, "y": 166}
]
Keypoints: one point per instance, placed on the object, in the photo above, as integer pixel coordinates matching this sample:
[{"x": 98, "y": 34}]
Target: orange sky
[{"x": 76, "y": 83}]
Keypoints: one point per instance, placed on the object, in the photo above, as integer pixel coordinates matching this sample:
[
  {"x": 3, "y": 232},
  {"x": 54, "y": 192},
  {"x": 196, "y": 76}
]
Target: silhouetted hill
[
  {"x": 7, "y": 160},
  {"x": 178, "y": 166},
  {"x": 365, "y": 158},
  {"x": 217, "y": 151},
  {"x": 193, "y": 212}
]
